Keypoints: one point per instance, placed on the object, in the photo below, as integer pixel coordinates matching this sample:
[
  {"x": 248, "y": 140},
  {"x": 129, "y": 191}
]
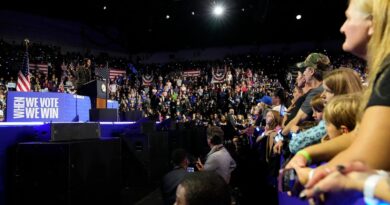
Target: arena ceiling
[{"x": 145, "y": 25}]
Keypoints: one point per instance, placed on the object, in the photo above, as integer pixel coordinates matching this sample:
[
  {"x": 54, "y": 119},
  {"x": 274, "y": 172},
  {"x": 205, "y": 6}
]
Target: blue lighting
[
  {"x": 20, "y": 123},
  {"x": 117, "y": 123}
]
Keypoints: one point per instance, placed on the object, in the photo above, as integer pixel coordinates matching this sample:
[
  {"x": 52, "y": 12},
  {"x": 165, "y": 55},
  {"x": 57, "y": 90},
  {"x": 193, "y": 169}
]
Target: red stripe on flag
[
  {"x": 116, "y": 72},
  {"x": 23, "y": 83},
  {"x": 191, "y": 73},
  {"x": 44, "y": 68}
]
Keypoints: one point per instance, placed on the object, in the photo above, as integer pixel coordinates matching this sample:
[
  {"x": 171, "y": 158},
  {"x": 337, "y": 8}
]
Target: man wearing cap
[
  {"x": 265, "y": 104},
  {"x": 266, "y": 100},
  {"x": 313, "y": 68}
]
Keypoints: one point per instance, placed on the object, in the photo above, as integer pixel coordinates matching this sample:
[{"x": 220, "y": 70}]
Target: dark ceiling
[{"x": 144, "y": 26}]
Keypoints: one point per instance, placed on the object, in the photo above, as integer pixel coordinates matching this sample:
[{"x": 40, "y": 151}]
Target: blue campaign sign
[
  {"x": 112, "y": 104},
  {"x": 46, "y": 107}
]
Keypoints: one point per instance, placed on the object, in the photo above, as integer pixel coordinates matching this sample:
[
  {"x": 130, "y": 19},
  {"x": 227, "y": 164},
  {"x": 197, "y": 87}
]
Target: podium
[{"x": 96, "y": 90}]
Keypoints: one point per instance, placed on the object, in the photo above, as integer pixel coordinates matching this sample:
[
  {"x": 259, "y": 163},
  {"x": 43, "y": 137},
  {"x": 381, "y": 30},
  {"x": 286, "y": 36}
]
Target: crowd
[
  {"x": 163, "y": 91},
  {"x": 321, "y": 109}
]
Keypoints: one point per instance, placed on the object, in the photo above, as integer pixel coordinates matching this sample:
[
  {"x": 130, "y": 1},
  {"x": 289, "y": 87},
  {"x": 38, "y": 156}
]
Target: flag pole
[
  {"x": 26, "y": 43},
  {"x": 23, "y": 83},
  {"x": 107, "y": 79}
]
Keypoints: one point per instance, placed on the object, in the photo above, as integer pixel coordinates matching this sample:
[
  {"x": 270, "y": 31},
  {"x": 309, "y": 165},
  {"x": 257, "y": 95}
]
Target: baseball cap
[
  {"x": 314, "y": 60},
  {"x": 266, "y": 100}
]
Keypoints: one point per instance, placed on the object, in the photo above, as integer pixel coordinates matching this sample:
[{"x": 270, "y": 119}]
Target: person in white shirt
[
  {"x": 218, "y": 159},
  {"x": 278, "y": 101}
]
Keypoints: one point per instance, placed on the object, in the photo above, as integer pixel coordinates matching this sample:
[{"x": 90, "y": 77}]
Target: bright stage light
[
  {"x": 218, "y": 10},
  {"x": 298, "y": 17}
]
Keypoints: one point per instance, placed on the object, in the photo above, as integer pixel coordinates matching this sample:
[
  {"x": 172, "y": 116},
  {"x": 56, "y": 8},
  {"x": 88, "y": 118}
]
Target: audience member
[
  {"x": 218, "y": 159},
  {"x": 369, "y": 142},
  {"x": 315, "y": 65},
  {"x": 172, "y": 179},
  {"x": 202, "y": 188}
]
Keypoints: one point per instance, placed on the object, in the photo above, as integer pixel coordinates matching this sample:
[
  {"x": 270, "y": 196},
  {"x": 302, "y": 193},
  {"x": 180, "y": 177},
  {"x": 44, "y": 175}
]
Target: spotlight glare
[
  {"x": 218, "y": 10},
  {"x": 193, "y": 13},
  {"x": 104, "y": 7},
  {"x": 167, "y": 17},
  {"x": 299, "y": 17}
]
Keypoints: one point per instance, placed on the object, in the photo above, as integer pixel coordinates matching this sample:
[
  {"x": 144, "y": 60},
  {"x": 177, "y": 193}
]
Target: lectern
[{"x": 97, "y": 91}]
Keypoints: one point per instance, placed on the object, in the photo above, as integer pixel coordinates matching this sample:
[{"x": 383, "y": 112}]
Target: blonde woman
[
  {"x": 273, "y": 122},
  {"x": 367, "y": 32}
]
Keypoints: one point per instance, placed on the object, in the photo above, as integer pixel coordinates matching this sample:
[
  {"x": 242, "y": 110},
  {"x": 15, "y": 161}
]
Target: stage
[
  {"x": 145, "y": 147},
  {"x": 13, "y": 133}
]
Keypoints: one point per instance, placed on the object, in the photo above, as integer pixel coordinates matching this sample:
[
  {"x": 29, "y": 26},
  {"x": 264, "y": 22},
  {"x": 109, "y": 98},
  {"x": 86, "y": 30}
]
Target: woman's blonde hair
[
  {"x": 379, "y": 44},
  {"x": 277, "y": 119},
  {"x": 378, "y": 49},
  {"x": 342, "y": 110},
  {"x": 343, "y": 81},
  {"x": 362, "y": 6}
]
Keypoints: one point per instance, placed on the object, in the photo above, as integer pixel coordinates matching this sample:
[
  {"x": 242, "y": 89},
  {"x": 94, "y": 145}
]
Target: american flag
[
  {"x": 116, "y": 72},
  {"x": 44, "y": 68},
  {"x": 191, "y": 73},
  {"x": 219, "y": 75},
  {"x": 23, "y": 83}
]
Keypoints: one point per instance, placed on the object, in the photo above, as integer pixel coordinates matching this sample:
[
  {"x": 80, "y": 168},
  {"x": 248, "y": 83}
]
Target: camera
[{"x": 289, "y": 182}]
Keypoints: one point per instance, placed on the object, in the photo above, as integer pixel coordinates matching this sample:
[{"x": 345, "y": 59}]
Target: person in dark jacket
[{"x": 172, "y": 179}]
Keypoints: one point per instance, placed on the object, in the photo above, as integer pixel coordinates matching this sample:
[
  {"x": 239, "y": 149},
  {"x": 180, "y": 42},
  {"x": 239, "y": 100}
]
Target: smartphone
[
  {"x": 289, "y": 182},
  {"x": 190, "y": 169}
]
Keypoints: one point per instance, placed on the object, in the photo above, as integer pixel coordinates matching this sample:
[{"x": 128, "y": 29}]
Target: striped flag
[
  {"x": 191, "y": 73},
  {"x": 116, "y": 72},
  {"x": 219, "y": 75},
  {"x": 23, "y": 84},
  {"x": 147, "y": 79},
  {"x": 44, "y": 68}
]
